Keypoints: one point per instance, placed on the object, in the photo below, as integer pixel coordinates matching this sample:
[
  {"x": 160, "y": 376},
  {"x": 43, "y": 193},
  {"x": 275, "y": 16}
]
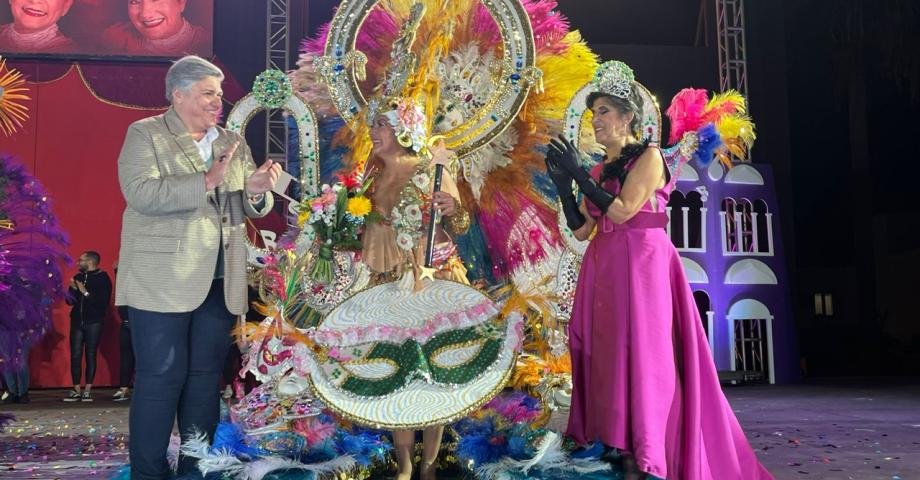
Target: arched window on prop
[
  {"x": 752, "y": 340},
  {"x": 687, "y": 225},
  {"x": 707, "y": 315},
  {"x": 746, "y": 227},
  {"x": 763, "y": 223}
]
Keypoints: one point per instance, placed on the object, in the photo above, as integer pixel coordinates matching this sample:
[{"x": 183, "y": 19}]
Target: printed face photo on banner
[{"x": 136, "y": 28}]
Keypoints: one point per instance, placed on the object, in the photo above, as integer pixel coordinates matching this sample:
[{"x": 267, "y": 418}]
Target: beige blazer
[{"x": 172, "y": 228}]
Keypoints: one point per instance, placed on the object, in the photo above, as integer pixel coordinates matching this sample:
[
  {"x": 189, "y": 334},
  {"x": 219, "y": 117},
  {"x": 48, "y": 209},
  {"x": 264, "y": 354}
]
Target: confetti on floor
[{"x": 854, "y": 431}]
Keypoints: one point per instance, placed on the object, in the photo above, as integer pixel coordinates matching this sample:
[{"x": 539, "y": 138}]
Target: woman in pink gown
[{"x": 644, "y": 379}]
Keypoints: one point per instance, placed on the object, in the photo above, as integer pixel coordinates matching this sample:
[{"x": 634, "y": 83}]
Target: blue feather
[
  {"x": 518, "y": 449},
  {"x": 321, "y": 452},
  {"x": 544, "y": 185},
  {"x": 594, "y": 451},
  {"x": 230, "y": 437},
  {"x": 365, "y": 446},
  {"x": 474, "y": 252},
  {"x": 331, "y": 159},
  {"x": 709, "y": 141}
]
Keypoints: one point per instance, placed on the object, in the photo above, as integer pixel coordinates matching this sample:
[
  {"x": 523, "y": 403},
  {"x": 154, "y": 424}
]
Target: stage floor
[{"x": 836, "y": 431}]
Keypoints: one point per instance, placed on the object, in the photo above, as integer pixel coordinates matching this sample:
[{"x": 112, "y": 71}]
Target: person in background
[
  {"x": 89, "y": 296},
  {"x": 17, "y": 381},
  {"x": 125, "y": 353}
]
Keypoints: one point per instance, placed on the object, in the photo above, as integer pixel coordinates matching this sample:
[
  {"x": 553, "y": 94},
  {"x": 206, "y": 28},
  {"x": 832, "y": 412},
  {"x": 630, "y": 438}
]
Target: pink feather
[
  {"x": 686, "y": 112},
  {"x": 518, "y": 236},
  {"x": 375, "y": 39},
  {"x": 549, "y": 27},
  {"x": 314, "y": 430}
]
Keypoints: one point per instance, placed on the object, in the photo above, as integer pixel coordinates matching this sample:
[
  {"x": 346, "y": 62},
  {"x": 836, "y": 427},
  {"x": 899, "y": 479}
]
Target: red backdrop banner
[{"x": 71, "y": 143}]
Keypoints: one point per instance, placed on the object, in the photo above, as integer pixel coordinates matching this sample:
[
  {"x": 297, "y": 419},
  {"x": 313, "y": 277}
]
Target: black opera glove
[
  {"x": 573, "y": 217},
  {"x": 566, "y": 156}
]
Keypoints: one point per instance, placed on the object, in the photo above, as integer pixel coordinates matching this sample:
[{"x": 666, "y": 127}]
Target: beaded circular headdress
[{"x": 413, "y": 73}]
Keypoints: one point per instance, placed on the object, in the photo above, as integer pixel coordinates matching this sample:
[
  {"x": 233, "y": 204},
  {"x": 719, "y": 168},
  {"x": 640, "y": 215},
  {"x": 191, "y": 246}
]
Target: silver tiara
[{"x": 614, "y": 78}]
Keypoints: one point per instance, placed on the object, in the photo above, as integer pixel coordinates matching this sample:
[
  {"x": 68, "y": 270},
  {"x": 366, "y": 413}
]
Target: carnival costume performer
[
  {"x": 400, "y": 174},
  {"x": 418, "y": 347},
  {"x": 644, "y": 378}
]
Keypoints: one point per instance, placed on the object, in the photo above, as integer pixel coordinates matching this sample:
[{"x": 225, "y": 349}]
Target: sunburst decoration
[{"x": 12, "y": 113}]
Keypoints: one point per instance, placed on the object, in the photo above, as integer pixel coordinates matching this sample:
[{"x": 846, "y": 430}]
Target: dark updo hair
[{"x": 624, "y": 106}]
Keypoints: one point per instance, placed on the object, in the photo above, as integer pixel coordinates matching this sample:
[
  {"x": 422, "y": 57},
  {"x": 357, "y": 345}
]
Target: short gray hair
[{"x": 188, "y": 71}]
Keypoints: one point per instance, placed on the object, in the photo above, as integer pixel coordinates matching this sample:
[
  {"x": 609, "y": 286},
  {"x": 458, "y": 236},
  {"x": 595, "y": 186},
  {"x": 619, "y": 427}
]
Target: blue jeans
[
  {"x": 179, "y": 361},
  {"x": 17, "y": 381}
]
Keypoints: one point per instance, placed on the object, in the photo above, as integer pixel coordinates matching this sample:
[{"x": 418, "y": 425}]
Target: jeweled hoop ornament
[
  {"x": 342, "y": 67},
  {"x": 272, "y": 90}
]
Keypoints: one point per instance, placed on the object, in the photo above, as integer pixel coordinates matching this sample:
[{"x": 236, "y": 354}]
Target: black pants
[
  {"x": 180, "y": 357},
  {"x": 84, "y": 337},
  {"x": 126, "y": 356}
]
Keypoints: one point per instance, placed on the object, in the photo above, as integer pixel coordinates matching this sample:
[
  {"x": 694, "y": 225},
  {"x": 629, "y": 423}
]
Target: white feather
[
  {"x": 222, "y": 462},
  {"x": 259, "y": 469},
  {"x": 549, "y": 456},
  {"x": 195, "y": 446}
]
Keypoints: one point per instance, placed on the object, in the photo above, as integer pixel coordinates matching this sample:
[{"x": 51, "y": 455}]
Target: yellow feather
[
  {"x": 731, "y": 96},
  {"x": 737, "y": 150},
  {"x": 737, "y": 126},
  {"x": 563, "y": 75}
]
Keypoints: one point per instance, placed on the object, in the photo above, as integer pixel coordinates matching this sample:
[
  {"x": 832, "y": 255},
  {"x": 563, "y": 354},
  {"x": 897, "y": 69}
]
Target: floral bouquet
[{"x": 337, "y": 216}]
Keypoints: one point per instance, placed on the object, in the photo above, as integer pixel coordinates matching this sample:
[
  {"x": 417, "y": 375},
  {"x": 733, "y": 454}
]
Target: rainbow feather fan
[{"x": 718, "y": 126}]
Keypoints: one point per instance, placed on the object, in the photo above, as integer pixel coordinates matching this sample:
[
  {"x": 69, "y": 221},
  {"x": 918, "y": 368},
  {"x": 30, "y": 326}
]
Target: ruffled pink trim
[{"x": 441, "y": 322}]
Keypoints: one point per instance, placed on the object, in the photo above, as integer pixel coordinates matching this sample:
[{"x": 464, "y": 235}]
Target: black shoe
[
  {"x": 23, "y": 398},
  {"x": 73, "y": 396},
  {"x": 8, "y": 399}
]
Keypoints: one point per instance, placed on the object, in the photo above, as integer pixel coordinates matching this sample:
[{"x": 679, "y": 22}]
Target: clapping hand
[
  {"x": 565, "y": 155},
  {"x": 215, "y": 175},
  {"x": 264, "y": 178},
  {"x": 560, "y": 178}
]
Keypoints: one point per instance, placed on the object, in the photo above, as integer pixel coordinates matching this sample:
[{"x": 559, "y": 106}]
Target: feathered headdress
[
  {"x": 461, "y": 63},
  {"x": 395, "y": 99},
  {"x": 708, "y": 128},
  {"x": 31, "y": 251}
]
